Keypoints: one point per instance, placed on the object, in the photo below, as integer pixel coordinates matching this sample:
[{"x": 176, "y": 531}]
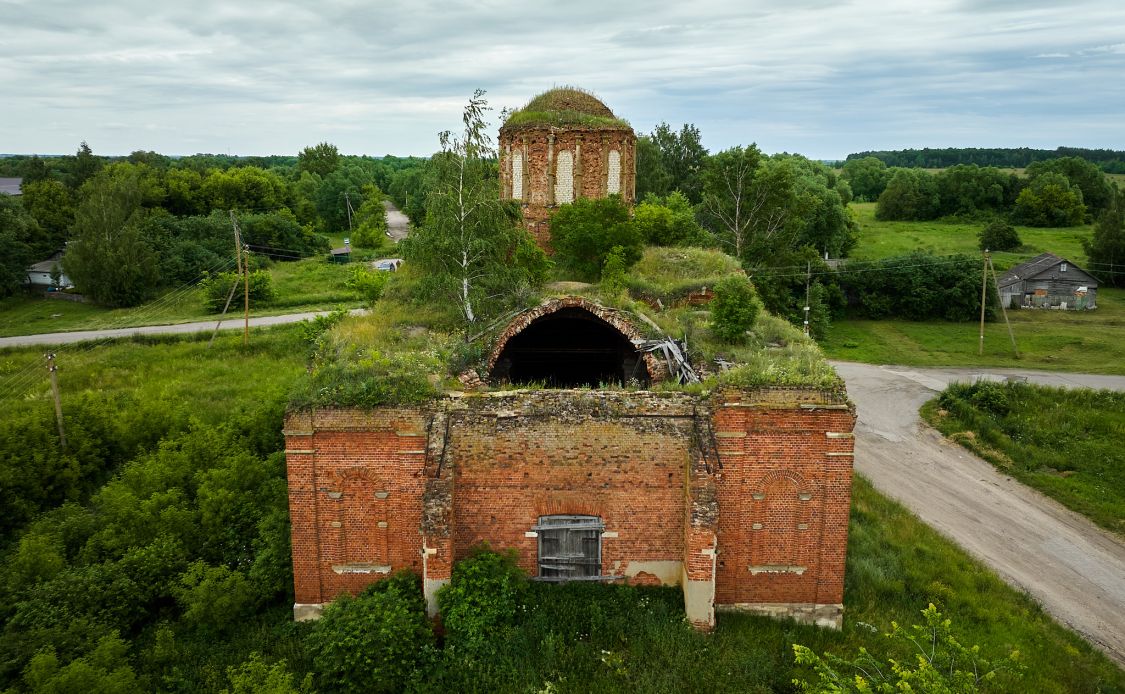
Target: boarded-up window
[
  {"x": 613, "y": 182},
  {"x": 570, "y": 547},
  {"x": 564, "y": 178},
  {"x": 517, "y": 175}
]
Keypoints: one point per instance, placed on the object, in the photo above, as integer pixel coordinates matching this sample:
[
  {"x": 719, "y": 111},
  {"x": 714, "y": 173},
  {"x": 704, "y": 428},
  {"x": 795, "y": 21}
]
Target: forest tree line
[
  {"x": 135, "y": 225},
  {"x": 1108, "y": 160}
]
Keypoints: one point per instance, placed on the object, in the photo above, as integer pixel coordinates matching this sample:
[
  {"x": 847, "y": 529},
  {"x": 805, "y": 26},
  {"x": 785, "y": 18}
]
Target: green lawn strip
[
  {"x": 1065, "y": 443},
  {"x": 312, "y": 284},
  {"x": 883, "y": 239},
  {"x": 1086, "y": 342}
]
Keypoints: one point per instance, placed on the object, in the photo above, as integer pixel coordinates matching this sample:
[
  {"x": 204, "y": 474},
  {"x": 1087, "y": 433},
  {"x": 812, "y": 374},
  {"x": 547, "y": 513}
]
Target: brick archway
[{"x": 608, "y": 317}]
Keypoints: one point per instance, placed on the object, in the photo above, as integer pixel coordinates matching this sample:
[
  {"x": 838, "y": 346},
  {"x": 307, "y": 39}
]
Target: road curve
[
  {"x": 398, "y": 224},
  {"x": 1075, "y": 569},
  {"x": 173, "y": 329}
]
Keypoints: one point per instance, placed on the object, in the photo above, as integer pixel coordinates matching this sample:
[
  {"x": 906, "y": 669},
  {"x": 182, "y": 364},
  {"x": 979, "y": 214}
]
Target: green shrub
[
  {"x": 256, "y": 676},
  {"x": 917, "y": 286},
  {"x": 584, "y": 233},
  {"x": 999, "y": 236},
  {"x": 929, "y": 659},
  {"x": 215, "y": 598},
  {"x": 367, "y": 283},
  {"x": 668, "y": 221},
  {"x": 377, "y": 642},
  {"x": 216, "y": 289},
  {"x": 990, "y": 397},
  {"x": 371, "y": 380},
  {"x": 482, "y": 601},
  {"x": 613, "y": 272},
  {"x": 734, "y": 309}
]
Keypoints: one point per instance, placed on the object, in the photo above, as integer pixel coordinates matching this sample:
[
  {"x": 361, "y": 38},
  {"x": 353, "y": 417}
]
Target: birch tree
[
  {"x": 472, "y": 248},
  {"x": 748, "y": 198}
]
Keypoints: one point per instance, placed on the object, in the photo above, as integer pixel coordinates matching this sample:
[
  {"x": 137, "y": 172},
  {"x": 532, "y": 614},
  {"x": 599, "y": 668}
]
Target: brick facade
[
  {"x": 595, "y": 161},
  {"x": 741, "y": 497}
]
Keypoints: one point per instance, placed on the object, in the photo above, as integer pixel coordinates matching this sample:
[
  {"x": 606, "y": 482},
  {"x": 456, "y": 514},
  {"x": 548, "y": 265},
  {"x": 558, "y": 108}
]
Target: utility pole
[
  {"x": 246, "y": 298},
  {"x": 52, "y": 369},
  {"x": 1003, "y": 309},
  {"x": 237, "y": 242},
  {"x": 983, "y": 296},
  {"x": 808, "y": 279},
  {"x": 348, "y": 202},
  {"x": 244, "y": 270}
]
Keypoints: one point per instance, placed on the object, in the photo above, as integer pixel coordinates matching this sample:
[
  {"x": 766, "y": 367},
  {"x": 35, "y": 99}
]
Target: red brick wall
[
  {"x": 355, "y": 489},
  {"x": 591, "y": 164},
  {"x": 620, "y": 456},
  {"x": 784, "y": 493},
  {"x": 631, "y": 458}
]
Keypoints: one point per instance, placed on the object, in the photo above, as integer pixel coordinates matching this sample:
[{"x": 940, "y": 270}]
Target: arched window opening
[{"x": 570, "y": 348}]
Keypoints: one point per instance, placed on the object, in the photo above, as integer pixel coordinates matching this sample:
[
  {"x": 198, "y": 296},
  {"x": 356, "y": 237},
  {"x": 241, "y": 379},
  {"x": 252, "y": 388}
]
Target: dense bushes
[
  {"x": 1061, "y": 192},
  {"x": 1050, "y": 201},
  {"x": 218, "y": 290},
  {"x": 999, "y": 236},
  {"x": 380, "y": 641},
  {"x": 918, "y": 286},
  {"x": 734, "y": 308},
  {"x": 585, "y": 231},
  {"x": 1106, "y": 249}
]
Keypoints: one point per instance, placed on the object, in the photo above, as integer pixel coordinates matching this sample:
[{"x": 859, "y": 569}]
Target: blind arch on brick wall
[
  {"x": 613, "y": 173},
  {"x": 517, "y": 175},
  {"x": 564, "y": 178}
]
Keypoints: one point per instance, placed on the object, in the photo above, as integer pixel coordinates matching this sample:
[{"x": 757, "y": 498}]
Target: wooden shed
[{"x": 1048, "y": 281}]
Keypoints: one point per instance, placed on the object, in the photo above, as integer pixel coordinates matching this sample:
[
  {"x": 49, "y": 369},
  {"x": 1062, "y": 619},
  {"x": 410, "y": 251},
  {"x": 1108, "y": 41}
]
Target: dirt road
[
  {"x": 176, "y": 328},
  {"x": 1073, "y": 568},
  {"x": 398, "y": 224}
]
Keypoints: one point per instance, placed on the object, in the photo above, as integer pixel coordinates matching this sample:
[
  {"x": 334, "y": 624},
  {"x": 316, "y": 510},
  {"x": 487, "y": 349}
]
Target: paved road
[
  {"x": 1073, "y": 568},
  {"x": 398, "y": 225},
  {"x": 177, "y": 328}
]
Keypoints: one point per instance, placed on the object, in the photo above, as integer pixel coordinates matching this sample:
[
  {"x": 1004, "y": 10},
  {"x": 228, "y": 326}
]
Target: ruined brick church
[{"x": 740, "y": 496}]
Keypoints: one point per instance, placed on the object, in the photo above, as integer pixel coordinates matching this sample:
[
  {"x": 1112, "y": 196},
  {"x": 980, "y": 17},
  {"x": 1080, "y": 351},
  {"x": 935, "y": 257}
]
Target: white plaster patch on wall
[
  {"x": 517, "y": 175},
  {"x": 564, "y": 178},
  {"x": 613, "y": 183}
]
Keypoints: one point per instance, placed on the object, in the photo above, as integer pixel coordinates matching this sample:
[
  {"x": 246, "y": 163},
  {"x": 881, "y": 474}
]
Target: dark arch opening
[{"x": 570, "y": 348}]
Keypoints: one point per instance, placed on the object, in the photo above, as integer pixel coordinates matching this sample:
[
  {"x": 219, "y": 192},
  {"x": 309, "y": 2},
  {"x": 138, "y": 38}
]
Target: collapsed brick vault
[{"x": 740, "y": 496}]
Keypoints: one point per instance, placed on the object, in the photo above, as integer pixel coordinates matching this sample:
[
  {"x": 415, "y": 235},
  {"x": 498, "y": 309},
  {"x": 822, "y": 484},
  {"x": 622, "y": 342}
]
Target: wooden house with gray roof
[{"x": 1048, "y": 281}]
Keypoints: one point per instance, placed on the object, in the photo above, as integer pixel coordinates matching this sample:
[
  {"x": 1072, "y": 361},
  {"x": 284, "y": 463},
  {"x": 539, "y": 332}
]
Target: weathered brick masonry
[
  {"x": 543, "y": 167},
  {"x": 741, "y": 497}
]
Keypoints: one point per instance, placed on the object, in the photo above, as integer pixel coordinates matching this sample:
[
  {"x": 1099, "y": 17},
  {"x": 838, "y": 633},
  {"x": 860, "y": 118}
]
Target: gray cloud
[{"x": 817, "y": 77}]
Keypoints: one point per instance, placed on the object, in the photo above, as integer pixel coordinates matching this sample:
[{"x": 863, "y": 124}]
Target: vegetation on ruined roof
[
  {"x": 407, "y": 350},
  {"x": 672, "y": 273},
  {"x": 565, "y": 107}
]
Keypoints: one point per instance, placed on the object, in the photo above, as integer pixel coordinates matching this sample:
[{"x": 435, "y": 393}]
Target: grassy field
[
  {"x": 896, "y": 564},
  {"x": 1088, "y": 341},
  {"x": 178, "y": 371},
  {"x": 312, "y": 284},
  {"x": 1065, "y": 443},
  {"x": 884, "y": 239}
]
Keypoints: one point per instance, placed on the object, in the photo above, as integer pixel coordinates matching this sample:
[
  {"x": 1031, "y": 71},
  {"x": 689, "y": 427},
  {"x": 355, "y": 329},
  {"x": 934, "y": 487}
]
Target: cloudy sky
[{"x": 819, "y": 77}]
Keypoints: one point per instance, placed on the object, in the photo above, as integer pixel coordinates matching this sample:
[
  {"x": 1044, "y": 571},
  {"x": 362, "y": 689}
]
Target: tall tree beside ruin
[{"x": 472, "y": 249}]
